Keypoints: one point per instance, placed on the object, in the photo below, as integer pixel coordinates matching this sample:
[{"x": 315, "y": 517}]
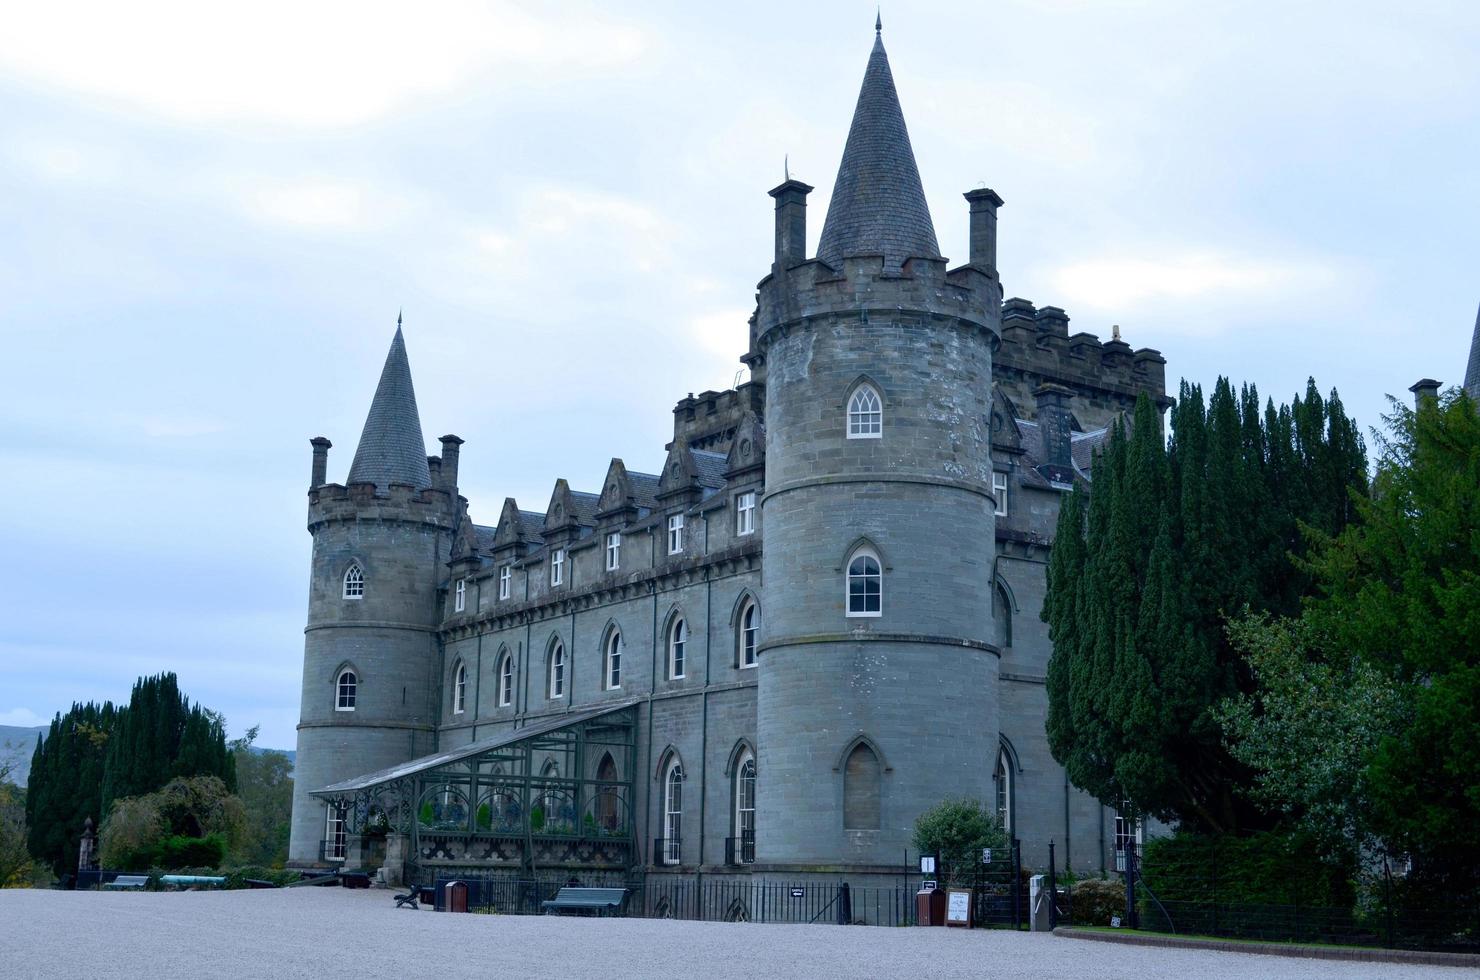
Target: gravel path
[{"x": 326, "y": 933}]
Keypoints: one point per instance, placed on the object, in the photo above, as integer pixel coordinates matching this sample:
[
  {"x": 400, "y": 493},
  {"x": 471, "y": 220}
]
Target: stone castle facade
[{"x": 817, "y": 618}]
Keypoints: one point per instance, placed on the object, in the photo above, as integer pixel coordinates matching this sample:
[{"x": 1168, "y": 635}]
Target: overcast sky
[{"x": 209, "y": 220}]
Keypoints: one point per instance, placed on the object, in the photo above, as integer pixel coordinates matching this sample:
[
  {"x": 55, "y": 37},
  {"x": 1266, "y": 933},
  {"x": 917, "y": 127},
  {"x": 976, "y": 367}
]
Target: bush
[
  {"x": 1094, "y": 900},
  {"x": 239, "y": 877},
  {"x": 1264, "y": 869},
  {"x": 957, "y": 830}
]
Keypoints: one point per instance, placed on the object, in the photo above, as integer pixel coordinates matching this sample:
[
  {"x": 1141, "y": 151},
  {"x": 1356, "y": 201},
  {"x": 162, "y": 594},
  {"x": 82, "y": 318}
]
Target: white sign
[
  {"x": 927, "y": 864},
  {"x": 958, "y": 907},
  {"x": 1115, "y": 922},
  {"x": 986, "y": 855}
]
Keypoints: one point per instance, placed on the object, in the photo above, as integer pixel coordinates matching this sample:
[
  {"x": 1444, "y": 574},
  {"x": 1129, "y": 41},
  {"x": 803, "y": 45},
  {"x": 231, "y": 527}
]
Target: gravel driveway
[{"x": 325, "y": 933}]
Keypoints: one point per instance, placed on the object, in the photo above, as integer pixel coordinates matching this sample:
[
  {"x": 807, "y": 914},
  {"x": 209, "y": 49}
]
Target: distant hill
[{"x": 16, "y": 746}]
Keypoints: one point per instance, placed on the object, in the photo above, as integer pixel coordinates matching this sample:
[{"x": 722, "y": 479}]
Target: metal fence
[{"x": 1386, "y": 910}]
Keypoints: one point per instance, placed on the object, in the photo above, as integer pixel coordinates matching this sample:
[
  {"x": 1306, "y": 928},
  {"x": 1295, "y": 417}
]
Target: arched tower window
[
  {"x": 613, "y": 657},
  {"x": 745, "y": 809},
  {"x": 557, "y": 670},
  {"x": 678, "y": 641},
  {"x": 354, "y": 581},
  {"x": 1002, "y": 616},
  {"x": 346, "y": 690},
  {"x": 673, "y": 813},
  {"x": 865, "y": 413},
  {"x": 861, "y": 788},
  {"x": 865, "y": 584},
  {"x": 506, "y": 680},
  {"x": 460, "y": 688},
  {"x": 750, "y": 624},
  {"x": 1002, "y": 783}
]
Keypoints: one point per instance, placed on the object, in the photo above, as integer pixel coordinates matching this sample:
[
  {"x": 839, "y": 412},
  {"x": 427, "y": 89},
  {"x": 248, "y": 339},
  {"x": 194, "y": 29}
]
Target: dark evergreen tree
[
  {"x": 162, "y": 735},
  {"x": 65, "y": 786},
  {"x": 1176, "y": 537}
]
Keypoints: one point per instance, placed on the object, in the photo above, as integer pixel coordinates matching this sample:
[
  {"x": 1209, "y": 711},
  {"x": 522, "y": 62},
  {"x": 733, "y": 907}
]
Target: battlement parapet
[
  {"x": 1037, "y": 346},
  {"x": 366, "y": 502},
  {"x": 709, "y": 419},
  {"x": 814, "y": 289}
]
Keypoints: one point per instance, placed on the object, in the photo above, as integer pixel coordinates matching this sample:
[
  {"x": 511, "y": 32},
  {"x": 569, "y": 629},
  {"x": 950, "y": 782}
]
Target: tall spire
[
  {"x": 392, "y": 449},
  {"x": 1472, "y": 372},
  {"x": 878, "y": 206}
]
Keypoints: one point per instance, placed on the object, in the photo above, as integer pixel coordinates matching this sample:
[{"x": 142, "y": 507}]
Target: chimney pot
[
  {"x": 448, "y": 475},
  {"x": 984, "y": 204},
  {"x": 1055, "y": 430},
  {"x": 1424, "y": 390},
  {"x": 791, "y": 223},
  {"x": 320, "y": 461}
]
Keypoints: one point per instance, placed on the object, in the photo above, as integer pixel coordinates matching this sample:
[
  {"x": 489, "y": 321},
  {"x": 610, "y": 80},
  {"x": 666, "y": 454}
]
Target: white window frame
[
  {"x": 460, "y": 601},
  {"x": 505, "y": 580},
  {"x": 848, "y": 577},
  {"x": 612, "y": 662},
  {"x": 678, "y": 642},
  {"x": 354, "y": 581},
  {"x": 340, "y": 690},
  {"x": 460, "y": 688},
  {"x": 750, "y": 627},
  {"x": 673, "y": 813},
  {"x": 675, "y": 534},
  {"x": 745, "y": 815},
  {"x": 1126, "y": 829},
  {"x": 506, "y": 680},
  {"x": 999, "y": 491},
  {"x": 1003, "y": 790},
  {"x": 865, "y": 413},
  {"x": 745, "y": 513},
  {"x": 614, "y": 551},
  {"x": 556, "y": 688},
  {"x": 335, "y": 834},
  {"x": 557, "y": 567}
]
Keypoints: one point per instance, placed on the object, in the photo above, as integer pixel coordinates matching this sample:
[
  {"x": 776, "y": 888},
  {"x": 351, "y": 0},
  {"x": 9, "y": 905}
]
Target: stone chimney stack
[
  {"x": 1055, "y": 430},
  {"x": 791, "y": 223},
  {"x": 984, "y": 205},
  {"x": 320, "y": 461},
  {"x": 448, "y": 473},
  {"x": 1425, "y": 390}
]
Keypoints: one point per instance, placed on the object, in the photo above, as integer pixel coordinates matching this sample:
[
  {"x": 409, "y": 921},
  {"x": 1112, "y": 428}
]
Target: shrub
[
  {"x": 1270, "y": 868},
  {"x": 957, "y": 830},
  {"x": 1093, "y": 901},
  {"x": 238, "y": 877}
]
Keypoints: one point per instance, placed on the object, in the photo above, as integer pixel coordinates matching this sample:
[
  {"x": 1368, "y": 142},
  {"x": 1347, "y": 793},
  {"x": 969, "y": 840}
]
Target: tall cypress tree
[{"x": 1175, "y": 538}]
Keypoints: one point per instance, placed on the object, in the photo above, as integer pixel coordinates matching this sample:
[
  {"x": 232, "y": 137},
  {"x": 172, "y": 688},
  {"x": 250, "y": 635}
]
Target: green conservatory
[{"x": 557, "y": 794}]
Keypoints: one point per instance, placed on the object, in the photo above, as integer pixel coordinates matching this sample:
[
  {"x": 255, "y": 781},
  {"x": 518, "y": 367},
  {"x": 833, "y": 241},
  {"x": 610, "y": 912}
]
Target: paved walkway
[{"x": 327, "y": 933}]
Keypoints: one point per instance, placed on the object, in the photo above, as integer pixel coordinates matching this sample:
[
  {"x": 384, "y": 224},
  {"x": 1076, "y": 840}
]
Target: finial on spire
[
  {"x": 878, "y": 20},
  {"x": 398, "y": 319}
]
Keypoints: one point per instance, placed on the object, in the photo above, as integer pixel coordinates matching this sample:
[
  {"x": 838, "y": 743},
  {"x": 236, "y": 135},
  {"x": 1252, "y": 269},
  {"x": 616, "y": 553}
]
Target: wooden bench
[
  {"x": 127, "y": 882},
  {"x": 598, "y": 900}
]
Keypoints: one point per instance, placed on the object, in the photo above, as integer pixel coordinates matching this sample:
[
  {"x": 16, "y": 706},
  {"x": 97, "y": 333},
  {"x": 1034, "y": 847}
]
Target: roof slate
[
  {"x": 391, "y": 448},
  {"x": 710, "y": 467},
  {"x": 878, "y": 205}
]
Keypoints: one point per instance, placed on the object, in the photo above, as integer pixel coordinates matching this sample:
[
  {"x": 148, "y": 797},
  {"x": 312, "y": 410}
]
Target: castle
[{"x": 817, "y": 618}]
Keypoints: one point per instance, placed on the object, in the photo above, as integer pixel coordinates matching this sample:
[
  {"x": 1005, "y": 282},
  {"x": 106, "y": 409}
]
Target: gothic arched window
[
  {"x": 557, "y": 670},
  {"x": 861, "y": 789},
  {"x": 750, "y": 624},
  {"x": 678, "y": 641},
  {"x": 1002, "y": 783},
  {"x": 347, "y": 689},
  {"x": 613, "y": 659},
  {"x": 506, "y": 680},
  {"x": 865, "y": 413},
  {"x": 745, "y": 809},
  {"x": 459, "y": 688},
  {"x": 354, "y": 581},
  {"x": 673, "y": 813},
  {"x": 865, "y": 584}
]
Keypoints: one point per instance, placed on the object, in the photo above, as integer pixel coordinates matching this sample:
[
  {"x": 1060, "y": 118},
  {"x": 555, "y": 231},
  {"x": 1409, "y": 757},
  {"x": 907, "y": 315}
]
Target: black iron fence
[{"x": 1383, "y": 910}]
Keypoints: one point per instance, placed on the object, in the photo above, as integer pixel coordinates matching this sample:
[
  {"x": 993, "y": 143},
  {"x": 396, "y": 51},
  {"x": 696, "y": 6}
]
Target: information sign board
[{"x": 958, "y": 907}]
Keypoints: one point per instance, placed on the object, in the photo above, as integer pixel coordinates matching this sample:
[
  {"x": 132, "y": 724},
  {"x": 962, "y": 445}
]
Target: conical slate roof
[
  {"x": 391, "y": 447},
  {"x": 1472, "y": 373},
  {"x": 878, "y": 206}
]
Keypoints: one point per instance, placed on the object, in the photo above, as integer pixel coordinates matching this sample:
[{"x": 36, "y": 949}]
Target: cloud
[
  {"x": 284, "y": 62},
  {"x": 1121, "y": 282},
  {"x": 22, "y": 718}
]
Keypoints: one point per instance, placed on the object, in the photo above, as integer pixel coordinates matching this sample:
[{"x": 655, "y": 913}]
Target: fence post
[
  {"x": 1017, "y": 883},
  {"x": 1387, "y": 899},
  {"x": 1053, "y": 892},
  {"x": 1130, "y": 884},
  {"x": 1215, "y": 886}
]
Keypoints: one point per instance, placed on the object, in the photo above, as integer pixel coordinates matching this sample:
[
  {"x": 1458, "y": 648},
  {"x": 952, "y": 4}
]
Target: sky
[{"x": 210, "y": 216}]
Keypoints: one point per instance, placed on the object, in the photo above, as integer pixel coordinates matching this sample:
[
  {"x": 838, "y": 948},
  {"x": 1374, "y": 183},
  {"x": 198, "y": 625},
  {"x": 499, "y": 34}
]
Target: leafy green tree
[
  {"x": 15, "y": 860},
  {"x": 957, "y": 830},
  {"x": 65, "y": 786},
  {"x": 264, "y": 782},
  {"x": 165, "y": 828},
  {"x": 1145, "y": 568}
]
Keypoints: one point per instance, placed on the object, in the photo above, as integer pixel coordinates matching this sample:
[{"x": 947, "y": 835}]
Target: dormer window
[
  {"x": 614, "y": 551},
  {"x": 745, "y": 513},
  {"x": 999, "y": 491},
  {"x": 505, "y": 578},
  {"x": 557, "y": 566},
  {"x": 865, "y": 414},
  {"x": 675, "y": 534},
  {"x": 460, "y": 601},
  {"x": 354, "y": 582}
]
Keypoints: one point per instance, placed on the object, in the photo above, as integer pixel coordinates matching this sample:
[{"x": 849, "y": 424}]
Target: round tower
[
  {"x": 878, "y": 681},
  {"x": 380, "y": 546}
]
